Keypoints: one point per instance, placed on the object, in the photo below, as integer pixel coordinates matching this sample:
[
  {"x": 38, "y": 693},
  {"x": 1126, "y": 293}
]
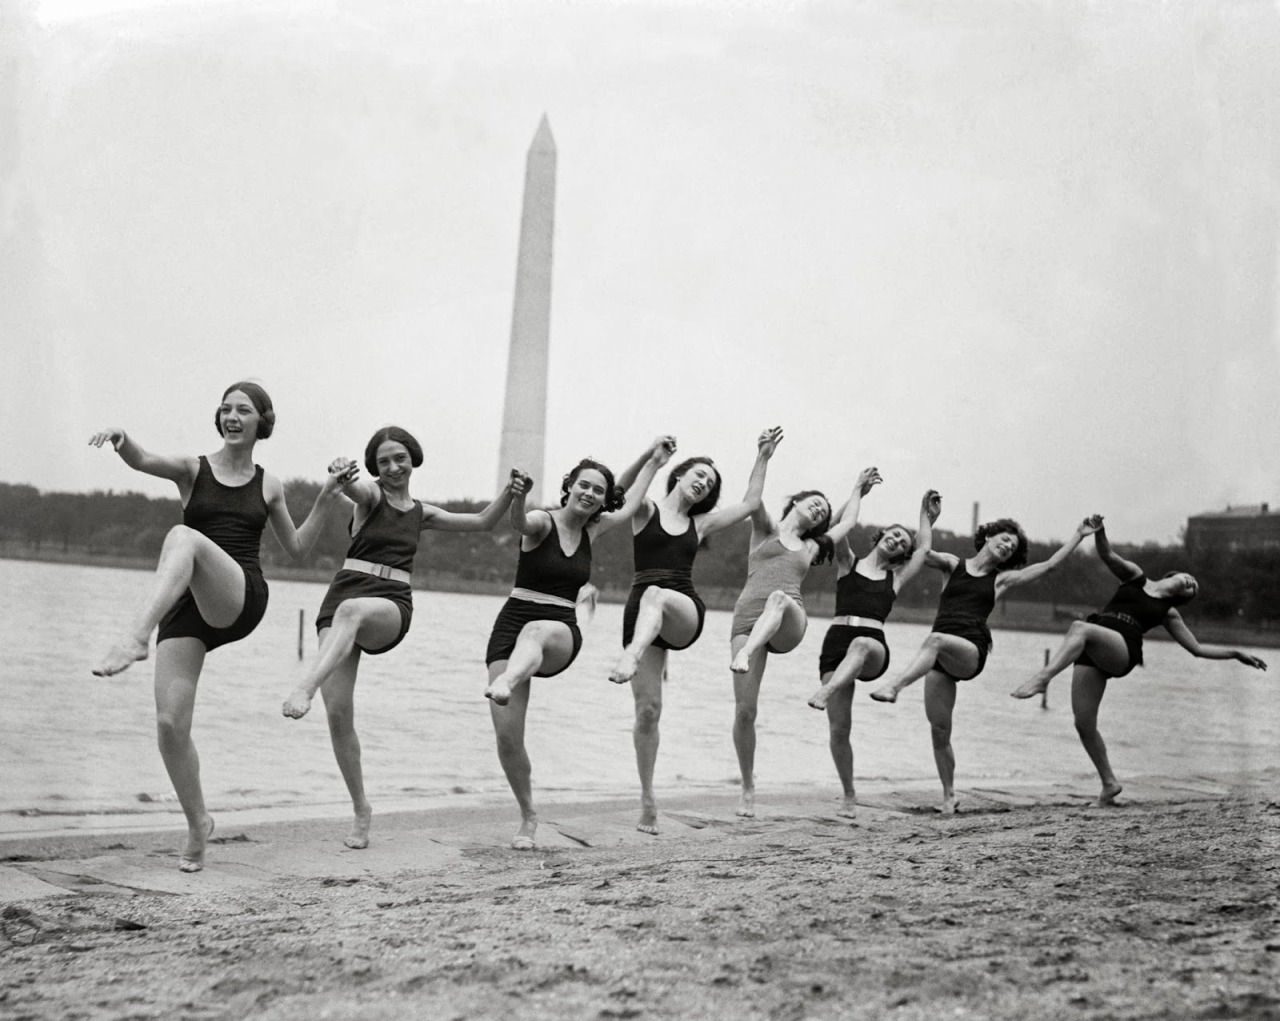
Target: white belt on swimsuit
[
  {"x": 849, "y": 621},
  {"x": 529, "y": 595},
  {"x": 377, "y": 570}
]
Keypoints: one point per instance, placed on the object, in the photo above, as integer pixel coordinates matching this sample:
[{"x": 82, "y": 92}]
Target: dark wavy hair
[
  {"x": 985, "y": 532},
  {"x": 261, "y": 402},
  {"x": 1182, "y": 600},
  {"x": 614, "y": 497},
  {"x": 396, "y": 435},
  {"x": 903, "y": 557},
  {"x": 713, "y": 495},
  {"x": 818, "y": 533}
]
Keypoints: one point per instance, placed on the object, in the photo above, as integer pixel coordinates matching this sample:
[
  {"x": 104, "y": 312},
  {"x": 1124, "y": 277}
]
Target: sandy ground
[{"x": 1027, "y": 906}]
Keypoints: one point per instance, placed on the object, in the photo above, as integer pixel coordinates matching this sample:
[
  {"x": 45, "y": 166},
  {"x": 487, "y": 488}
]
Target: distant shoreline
[{"x": 1044, "y": 618}]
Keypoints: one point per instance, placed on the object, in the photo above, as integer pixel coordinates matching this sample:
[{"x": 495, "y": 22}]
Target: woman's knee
[
  {"x": 178, "y": 540},
  {"x": 745, "y": 715},
  {"x": 172, "y": 728},
  {"x": 779, "y": 600},
  {"x": 648, "y": 713},
  {"x": 940, "y": 734}
]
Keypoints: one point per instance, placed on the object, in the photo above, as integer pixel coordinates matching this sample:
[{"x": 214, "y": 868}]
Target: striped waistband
[
  {"x": 1123, "y": 618},
  {"x": 850, "y": 621},
  {"x": 533, "y": 596},
  {"x": 377, "y": 570}
]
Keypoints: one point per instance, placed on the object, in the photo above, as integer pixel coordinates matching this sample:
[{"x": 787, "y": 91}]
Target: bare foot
[
  {"x": 1108, "y": 796},
  {"x": 1036, "y": 686},
  {"x": 885, "y": 693},
  {"x": 747, "y": 804},
  {"x": 192, "y": 857},
  {"x": 950, "y": 805},
  {"x": 848, "y": 808},
  {"x": 120, "y": 657},
  {"x": 741, "y": 662},
  {"x": 523, "y": 840},
  {"x": 358, "y": 838},
  {"x": 625, "y": 670},
  {"x": 648, "y": 815},
  {"x": 819, "y": 698},
  {"x": 297, "y": 705},
  {"x": 498, "y": 691}
]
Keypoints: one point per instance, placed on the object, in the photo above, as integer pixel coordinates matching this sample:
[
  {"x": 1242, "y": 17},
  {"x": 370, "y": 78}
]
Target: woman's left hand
[
  {"x": 867, "y": 478},
  {"x": 1248, "y": 660}
]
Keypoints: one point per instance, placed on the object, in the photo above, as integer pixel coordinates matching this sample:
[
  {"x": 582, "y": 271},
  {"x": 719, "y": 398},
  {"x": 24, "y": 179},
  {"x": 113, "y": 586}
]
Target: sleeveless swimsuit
[
  {"x": 664, "y": 560},
  {"x": 858, "y": 596},
  {"x": 1131, "y": 612},
  {"x": 771, "y": 567},
  {"x": 547, "y": 570},
  {"x": 966, "y": 603},
  {"x": 389, "y": 537},
  {"x": 233, "y": 517}
]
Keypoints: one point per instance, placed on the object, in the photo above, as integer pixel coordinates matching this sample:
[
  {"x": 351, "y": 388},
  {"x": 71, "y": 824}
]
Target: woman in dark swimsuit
[
  {"x": 958, "y": 646},
  {"x": 854, "y": 646},
  {"x": 1109, "y": 644},
  {"x": 536, "y": 633},
  {"x": 369, "y": 604},
  {"x": 664, "y": 612},
  {"x": 208, "y": 588}
]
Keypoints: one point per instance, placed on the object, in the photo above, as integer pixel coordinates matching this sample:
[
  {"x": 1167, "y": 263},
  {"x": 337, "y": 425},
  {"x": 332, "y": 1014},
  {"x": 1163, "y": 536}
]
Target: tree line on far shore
[{"x": 1241, "y": 588}]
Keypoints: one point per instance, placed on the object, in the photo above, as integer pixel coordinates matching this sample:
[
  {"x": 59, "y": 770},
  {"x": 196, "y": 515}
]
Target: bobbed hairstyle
[
  {"x": 614, "y": 497},
  {"x": 818, "y": 533},
  {"x": 901, "y": 558},
  {"x": 713, "y": 494},
  {"x": 261, "y": 402},
  {"x": 985, "y": 532},
  {"x": 396, "y": 435},
  {"x": 1182, "y": 600}
]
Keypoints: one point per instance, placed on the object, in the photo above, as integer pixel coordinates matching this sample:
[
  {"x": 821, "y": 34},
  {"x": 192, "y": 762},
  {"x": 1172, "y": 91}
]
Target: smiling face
[
  {"x": 394, "y": 463},
  {"x": 1001, "y": 546},
  {"x": 895, "y": 543},
  {"x": 1181, "y": 586},
  {"x": 587, "y": 492},
  {"x": 238, "y": 418},
  {"x": 811, "y": 512}
]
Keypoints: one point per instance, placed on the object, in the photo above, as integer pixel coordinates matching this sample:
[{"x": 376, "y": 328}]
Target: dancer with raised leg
[
  {"x": 1109, "y": 644},
  {"x": 208, "y": 588},
  {"x": 369, "y": 605},
  {"x": 854, "y": 646},
  {"x": 957, "y": 647},
  {"x": 663, "y": 612},
  {"x": 769, "y": 615},
  {"x": 536, "y": 633}
]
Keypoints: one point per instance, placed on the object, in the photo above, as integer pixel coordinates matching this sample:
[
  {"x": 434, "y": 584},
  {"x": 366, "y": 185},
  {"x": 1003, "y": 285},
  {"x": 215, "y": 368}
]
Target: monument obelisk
[{"x": 524, "y": 414}]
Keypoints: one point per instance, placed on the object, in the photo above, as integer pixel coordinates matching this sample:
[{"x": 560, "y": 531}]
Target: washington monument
[{"x": 524, "y": 415}]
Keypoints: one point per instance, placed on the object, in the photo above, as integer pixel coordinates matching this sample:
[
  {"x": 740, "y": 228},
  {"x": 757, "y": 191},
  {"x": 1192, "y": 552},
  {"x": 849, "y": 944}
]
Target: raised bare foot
[
  {"x": 741, "y": 662},
  {"x": 848, "y": 807},
  {"x": 358, "y": 838},
  {"x": 192, "y": 857},
  {"x": 885, "y": 693},
  {"x": 648, "y": 815},
  {"x": 1108, "y": 796},
  {"x": 625, "y": 670},
  {"x": 523, "y": 840},
  {"x": 498, "y": 691},
  {"x": 747, "y": 805},
  {"x": 297, "y": 705},
  {"x": 1035, "y": 686},
  {"x": 120, "y": 657},
  {"x": 819, "y": 698}
]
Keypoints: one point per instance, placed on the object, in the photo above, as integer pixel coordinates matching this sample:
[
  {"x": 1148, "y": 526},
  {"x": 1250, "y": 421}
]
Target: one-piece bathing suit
[
  {"x": 858, "y": 596},
  {"x": 388, "y": 537},
  {"x": 771, "y": 567},
  {"x": 233, "y": 517},
  {"x": 966, "y": 602},
  {"x": 1131, "y": 612},
  {"x": 664, "y": 560},
  {"x": 545, "y": 570}
]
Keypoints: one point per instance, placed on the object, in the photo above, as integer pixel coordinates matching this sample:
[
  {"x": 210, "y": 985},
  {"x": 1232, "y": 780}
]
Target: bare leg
[
  {"x": 178, "y": 663},
  {"x": 1088, "y": 685},
  {"x": 543, "y": 646},
  {"x": 188, "y": 560},
  {"x": 864, "y": 656},
  {"x": 781, "y": 624},
  {"x": 746, "y": 696},
  {"x": 1105, "y": 647},
  {"x": 508, "y": 728},
  {"x": 338, "y": 693},
  {"x": 939, "y": 701},
  {"x": 368, "y": 622},
  {"x": 661, "y": 612},
  {"x": 646, "y": 687},
  {"x": 840, "y": 723},
  {"x": 949, "y": 653}
]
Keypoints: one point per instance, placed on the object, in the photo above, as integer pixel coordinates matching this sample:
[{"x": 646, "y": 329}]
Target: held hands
[
  {"x": 342, "y": 472},
  {"x": 663, "y": 448},
  {"x": 931, "y": 504},
  {"x": 113, "y": 435},
  {"x": 519, "y": 484},
  {"x": 768, "y": 442},
  {"x": 1090, "y": 525},
  {"x": 867, "y": 478}
]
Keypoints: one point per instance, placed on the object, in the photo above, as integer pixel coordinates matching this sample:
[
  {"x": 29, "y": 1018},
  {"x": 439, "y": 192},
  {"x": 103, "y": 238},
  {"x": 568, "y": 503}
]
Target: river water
[{"x": 72, "y": 744}]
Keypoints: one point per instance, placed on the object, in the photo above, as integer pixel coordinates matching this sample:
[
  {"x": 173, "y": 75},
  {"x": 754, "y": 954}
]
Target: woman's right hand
[
  {"x": 932, "y": 504},
  {"x": 343, "y": 470},
  {"x": 867, "y": 478},
  {"x": 769, "y": 440},
  {"x": 114, "y": 435}
]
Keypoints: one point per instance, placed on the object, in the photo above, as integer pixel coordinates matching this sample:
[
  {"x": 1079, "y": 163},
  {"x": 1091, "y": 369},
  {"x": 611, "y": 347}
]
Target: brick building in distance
[{"x": 1234, "y": 530}]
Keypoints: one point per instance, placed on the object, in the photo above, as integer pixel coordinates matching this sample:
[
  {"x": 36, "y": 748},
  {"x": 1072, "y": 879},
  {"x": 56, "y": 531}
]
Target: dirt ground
[{"x": 1158, "y": 911}]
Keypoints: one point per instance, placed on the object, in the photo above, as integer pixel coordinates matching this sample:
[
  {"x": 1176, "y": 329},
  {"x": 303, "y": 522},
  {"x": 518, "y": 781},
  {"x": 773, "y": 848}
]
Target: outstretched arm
[
  {"x": 723, "y": 517},
  {"x": 930, "y": 508},
  {"x": 1011, "y": 579},
  {"x": 178, "y": 468},
  {"x": 659, "y": 454},
  {"x": 479, "y": 521},
  {"x": 1125, "y": 570},
  {"x": 629, "y": 474},
  {"x": 1178, "y": 630},
  {"x": 867, "y": 478},
  {"x": 297, "y": 542}
]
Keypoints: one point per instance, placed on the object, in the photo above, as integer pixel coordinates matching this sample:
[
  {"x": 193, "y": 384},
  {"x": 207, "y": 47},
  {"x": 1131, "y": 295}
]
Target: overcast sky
[{"x": 1023, "y": 253}]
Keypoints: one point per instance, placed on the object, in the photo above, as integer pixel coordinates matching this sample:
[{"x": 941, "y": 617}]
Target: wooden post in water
[
  {"x": 1044, "y": 695},
  {"x": 300, "y": 630}
]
